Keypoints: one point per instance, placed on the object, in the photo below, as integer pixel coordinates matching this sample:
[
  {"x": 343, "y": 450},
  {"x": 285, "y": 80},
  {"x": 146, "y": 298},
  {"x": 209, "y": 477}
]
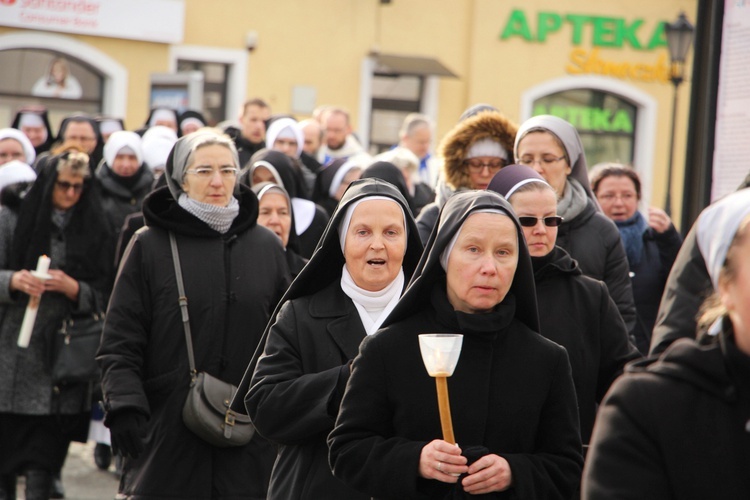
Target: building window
[
  {"x": 215, "y": 76},
  {"x": 58, "y": 81},
  {"x": 606, "y": 122},
  {"x": 393, "y": 97}
]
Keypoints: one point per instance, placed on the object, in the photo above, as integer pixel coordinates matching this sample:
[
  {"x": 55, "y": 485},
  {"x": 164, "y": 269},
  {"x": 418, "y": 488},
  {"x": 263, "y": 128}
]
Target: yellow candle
[{"x": 444, "y": 406}]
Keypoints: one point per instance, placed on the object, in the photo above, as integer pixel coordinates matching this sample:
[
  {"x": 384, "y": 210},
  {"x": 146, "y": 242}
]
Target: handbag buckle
[{"x": 229, "y": 418}]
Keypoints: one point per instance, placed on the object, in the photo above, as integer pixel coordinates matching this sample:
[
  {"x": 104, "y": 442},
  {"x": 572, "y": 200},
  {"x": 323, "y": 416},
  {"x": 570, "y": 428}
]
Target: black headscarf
[
  {"x": 326, "y": 263},
  {"x": 390, "y": 173},
  {"x": 324, "y": 179},
  {"x": 293, "y": 182},
  {"x": 86, "y": 233},
  {"x": 429, "y": 271},
  {"x": 41, "y": 112},
  {"x": 261, "y": 189},
  {"x": 189, "y": 114}
]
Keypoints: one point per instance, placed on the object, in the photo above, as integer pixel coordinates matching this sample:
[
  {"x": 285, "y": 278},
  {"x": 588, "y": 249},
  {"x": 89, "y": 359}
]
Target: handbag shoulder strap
[{"x": 183, "y": 302}]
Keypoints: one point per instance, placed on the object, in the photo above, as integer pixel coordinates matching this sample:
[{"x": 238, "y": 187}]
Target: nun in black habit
[
  {"x": 512, "y": 397},
  {"x": 340, "y": 297},
  {"x": 34, "y": 122},
  {"x": 390, "y": 173},
  {"x": 310, "y": 219},
  {"x": 275, "y": 211}
]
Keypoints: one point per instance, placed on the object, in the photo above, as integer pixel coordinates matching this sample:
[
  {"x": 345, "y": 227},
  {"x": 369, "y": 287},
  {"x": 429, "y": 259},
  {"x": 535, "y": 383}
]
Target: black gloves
[{"x": 127, "y": 431}]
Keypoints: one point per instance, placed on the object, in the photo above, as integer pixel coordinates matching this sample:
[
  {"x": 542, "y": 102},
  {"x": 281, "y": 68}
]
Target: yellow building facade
[{"x": 604, "y": 65}]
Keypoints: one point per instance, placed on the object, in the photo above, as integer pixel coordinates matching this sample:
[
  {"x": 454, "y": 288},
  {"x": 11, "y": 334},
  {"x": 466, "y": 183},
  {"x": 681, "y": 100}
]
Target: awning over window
[{"x": 410, "y": 65}]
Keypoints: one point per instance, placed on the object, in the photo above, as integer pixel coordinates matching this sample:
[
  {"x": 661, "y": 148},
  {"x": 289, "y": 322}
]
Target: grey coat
[{"x": 25, "y": 380}]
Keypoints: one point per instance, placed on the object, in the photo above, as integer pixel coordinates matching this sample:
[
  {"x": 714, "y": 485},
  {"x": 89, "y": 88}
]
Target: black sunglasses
[
  {"x": 551, "y": 221},
  {"x": 65, "y": 186}
]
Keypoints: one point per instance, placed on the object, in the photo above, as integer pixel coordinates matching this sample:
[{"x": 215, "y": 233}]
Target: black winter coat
[
  {"x": 233, "y": 282},
  {"x": 649, "y": 278},
  {"x": 675, "y": 427},
  {"x": 577, "y": 312},
  {"x": 300, "y": 378},
  {"x": 118, "y": 199},
  {"x": 594, "y": 241},
  {"x": 296, "y": 403},
  {"x": 687, "y": 287},
  {"x": 511, "y": 392}
]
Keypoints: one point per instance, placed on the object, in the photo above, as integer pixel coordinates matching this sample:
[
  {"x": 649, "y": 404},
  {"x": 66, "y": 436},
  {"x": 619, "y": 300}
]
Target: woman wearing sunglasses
[
  {"x": 59, "y": 217},
  {"x": 553, "y": 148},
  {"x": 575, "y": 311}
]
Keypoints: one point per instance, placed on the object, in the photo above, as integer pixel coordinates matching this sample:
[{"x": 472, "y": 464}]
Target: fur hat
[{"x": 456, "y": 144}]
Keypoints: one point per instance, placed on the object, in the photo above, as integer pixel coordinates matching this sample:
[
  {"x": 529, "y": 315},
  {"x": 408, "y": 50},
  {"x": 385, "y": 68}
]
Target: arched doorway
[
  {"x": 94, "y": 82},
  {"x": 616, "y": 122}
]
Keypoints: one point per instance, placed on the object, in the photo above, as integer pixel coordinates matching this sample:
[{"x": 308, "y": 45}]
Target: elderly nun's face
[
  {"x": 262, "y": 174},
  {"x": 275, "y": 214},
  {"x": 211, "y": 175},
  {"x": 375, "y": 244},
  {"x": 125, "y": 163},
  {"x": 482, "y": 263},
  {"x": 11, "y": 149},
  {"x": 351, "y": 176},
  {"x": 542, "y": 152}
]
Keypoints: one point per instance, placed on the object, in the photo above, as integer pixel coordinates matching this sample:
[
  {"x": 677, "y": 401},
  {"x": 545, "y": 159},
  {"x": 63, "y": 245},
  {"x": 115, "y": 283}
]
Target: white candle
[
  {"x": 42, "y": 265},
  {"x": 29, "y": 317}
]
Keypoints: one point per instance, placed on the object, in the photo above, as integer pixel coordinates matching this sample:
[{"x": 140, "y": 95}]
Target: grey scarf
[
  {"x": 218, "y": 218},
  {"x": 573, "y": 201}
]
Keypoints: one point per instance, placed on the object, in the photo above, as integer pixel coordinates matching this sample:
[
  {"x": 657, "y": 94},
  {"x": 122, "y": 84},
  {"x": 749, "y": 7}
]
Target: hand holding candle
[
  {"x": 440, "y": 353},
  {"x": 29, "y": 317}
]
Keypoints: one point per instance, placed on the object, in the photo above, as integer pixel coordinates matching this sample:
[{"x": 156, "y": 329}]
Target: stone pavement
[{"x": 82, "y": 479}]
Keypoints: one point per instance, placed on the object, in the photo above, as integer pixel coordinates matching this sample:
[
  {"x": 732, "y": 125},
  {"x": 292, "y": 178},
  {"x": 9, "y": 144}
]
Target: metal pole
[{"x": 668, "y": 198}]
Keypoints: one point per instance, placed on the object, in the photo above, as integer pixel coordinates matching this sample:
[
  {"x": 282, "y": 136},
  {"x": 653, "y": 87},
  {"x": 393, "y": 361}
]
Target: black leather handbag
[
  {"x": 75, "y": 346},
  {"x": 206, "y": 411}
]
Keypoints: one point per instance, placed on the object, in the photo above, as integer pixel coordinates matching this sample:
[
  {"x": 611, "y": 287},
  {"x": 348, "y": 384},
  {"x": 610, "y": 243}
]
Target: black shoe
[
  {"x": 56, "y": 488},
  {"x": 39, "y": 485},
  {"x": 102, "y": 456},
  {"x": 8, "y": 487}
]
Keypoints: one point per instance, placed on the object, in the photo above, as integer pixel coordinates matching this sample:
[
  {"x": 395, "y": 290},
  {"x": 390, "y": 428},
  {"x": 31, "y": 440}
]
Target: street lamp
[{"x": 679, "y": 37}]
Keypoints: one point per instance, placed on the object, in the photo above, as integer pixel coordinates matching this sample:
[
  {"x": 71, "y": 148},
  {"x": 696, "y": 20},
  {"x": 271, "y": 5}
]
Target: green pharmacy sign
[{"x": 611, "y": 32}]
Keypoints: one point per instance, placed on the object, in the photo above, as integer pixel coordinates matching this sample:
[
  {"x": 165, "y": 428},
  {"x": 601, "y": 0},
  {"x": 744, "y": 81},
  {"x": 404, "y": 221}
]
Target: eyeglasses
[
  {"x": 494, "y": 166},
  {"x": 545, "y": 161},
  {"x": 612, "y": 196},
  {"x": 550, "y": 221},
  {"x": 66, "y": 186},
  {"x": 208, "y": 173}
]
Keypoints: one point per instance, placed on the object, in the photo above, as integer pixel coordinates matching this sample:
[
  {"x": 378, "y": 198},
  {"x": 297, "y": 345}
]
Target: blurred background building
[{"x": 604, "y": 66}]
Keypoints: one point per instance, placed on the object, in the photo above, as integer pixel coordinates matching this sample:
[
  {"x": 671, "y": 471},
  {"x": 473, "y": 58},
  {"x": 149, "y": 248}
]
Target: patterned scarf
[
  {"x": 218, "y": 218},
  {"x": 631, "y": 232}
]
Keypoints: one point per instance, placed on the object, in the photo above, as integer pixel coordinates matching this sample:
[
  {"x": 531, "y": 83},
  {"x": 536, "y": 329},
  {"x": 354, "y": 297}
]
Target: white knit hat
[{"x": 486, "y": 147}]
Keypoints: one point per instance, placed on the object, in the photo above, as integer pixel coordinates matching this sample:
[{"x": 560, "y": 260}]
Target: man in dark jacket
[{"x": 250, "y": 138}]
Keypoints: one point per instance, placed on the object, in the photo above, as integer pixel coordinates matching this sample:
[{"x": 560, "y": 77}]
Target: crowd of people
[{"x": 281, "y": 257}]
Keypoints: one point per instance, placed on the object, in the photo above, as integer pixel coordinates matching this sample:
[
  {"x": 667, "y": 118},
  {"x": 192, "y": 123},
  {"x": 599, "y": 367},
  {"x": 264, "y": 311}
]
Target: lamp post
[{"x": 679, "y": 37}]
